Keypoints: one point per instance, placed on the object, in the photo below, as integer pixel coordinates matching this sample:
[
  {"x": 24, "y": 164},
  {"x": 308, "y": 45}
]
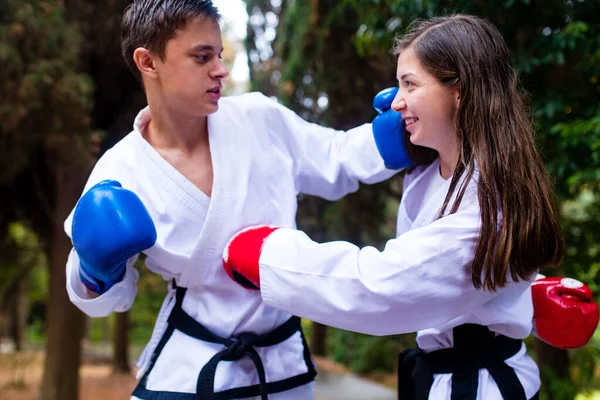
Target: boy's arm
[
  {"x": 330, "y": 163},
  {"x": 109, "y": 226}
]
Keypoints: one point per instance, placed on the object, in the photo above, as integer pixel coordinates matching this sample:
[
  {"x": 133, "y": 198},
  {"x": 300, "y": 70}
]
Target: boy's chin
[
  {"x": 206, "y": 108},
  {"x": 212, "y": 108}
]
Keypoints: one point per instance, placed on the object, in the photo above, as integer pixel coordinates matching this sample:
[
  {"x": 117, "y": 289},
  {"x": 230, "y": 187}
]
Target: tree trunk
[
  {"x": 18, "y": 318},
  {"x": 318, "y": 341},
  {"x": 121, "y": 343},
  {"x": 3, "y": 324},
  {"x": 65, "y": 321}
]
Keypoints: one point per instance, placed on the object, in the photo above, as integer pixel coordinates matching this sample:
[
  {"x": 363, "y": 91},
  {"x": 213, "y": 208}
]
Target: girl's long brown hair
[{"x": 494, "y": 129}]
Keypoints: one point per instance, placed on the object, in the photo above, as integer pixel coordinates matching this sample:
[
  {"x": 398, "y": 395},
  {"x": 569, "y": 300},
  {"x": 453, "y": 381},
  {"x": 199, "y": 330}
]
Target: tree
[
  {"x": 44, "y": 135},
  {"x": 118, "y": 95}
]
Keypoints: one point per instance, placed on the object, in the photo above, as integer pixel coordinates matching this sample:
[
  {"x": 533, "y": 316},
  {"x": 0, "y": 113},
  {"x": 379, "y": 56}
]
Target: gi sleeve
[
  {"x": 328, "y": 163},
  {"x": 118, "y": 298},
  {"x": 420, "y": 280}
]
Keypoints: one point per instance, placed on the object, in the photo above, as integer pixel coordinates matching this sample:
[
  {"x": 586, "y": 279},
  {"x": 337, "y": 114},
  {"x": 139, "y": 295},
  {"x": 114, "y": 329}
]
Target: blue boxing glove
[
  {"x": 388, "y": 130},
  {"x": 110, "y": 225}
]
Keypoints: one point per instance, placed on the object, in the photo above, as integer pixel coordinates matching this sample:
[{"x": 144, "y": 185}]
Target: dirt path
[{"x": 20, "y": 376}]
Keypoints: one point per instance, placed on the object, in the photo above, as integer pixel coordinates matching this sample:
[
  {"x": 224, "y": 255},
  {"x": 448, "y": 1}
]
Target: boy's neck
[{"x": 169, "y": 129}]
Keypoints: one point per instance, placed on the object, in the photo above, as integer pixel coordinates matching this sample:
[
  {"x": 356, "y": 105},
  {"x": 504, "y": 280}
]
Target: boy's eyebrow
[{"x": 200, "y": 47}]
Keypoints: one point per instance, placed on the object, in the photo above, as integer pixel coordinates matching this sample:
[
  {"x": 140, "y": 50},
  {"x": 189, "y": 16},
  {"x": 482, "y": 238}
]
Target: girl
[{"x": 476, "y": 221}]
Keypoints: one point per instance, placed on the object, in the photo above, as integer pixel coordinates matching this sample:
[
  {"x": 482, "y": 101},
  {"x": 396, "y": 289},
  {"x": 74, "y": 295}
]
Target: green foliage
[
  {"x": 22, "y": 259},
  {"x": 365, "y": 354},
  {"x": 581, "y": 216},
  {"x": 45, "y": 101},
  {"x": 36, "y": 332},
  {"x": 38, "y": 281},
  {"x": 143, "y": 313},
  {"x": 20, "y": 253},
  {"x": 152, "y": 290},
  {"x": 585, "y": 369},
  {"x": 556, "y": 388}
]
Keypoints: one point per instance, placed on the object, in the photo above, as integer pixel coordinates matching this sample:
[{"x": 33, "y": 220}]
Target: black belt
[
  {"x": 235, "y": 348},
  {"x": 475, "y": 348}
]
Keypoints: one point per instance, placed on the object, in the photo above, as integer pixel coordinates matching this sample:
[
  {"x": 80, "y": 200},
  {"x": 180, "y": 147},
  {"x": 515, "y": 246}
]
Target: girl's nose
[{"x": 399, "y": 103}]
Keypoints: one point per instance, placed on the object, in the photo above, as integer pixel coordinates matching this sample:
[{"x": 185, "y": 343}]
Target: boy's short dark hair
[{"x": 152, "y": 23}]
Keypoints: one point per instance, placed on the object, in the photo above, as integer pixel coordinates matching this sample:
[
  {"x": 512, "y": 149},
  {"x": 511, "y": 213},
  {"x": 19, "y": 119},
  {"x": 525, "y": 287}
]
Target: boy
[{"x": 201, "y": 170}]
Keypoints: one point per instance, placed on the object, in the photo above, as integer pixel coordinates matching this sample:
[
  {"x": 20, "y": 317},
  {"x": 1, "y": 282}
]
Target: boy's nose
[{"x": 220, "y": 70}]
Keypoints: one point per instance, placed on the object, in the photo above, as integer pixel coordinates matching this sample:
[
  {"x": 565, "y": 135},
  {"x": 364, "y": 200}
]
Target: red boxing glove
[
  {"x": 564, "y": 312},
  {"x": 242, "y": 253}
]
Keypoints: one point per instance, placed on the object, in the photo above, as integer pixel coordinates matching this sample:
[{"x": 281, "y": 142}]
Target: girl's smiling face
[{"x": 428, "y": 108}]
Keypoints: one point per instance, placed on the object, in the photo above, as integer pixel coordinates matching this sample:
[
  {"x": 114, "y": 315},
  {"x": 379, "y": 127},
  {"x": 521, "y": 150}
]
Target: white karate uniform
[
  {"x": 263, "y": 155},
  {"x": 421, "y": 281}
]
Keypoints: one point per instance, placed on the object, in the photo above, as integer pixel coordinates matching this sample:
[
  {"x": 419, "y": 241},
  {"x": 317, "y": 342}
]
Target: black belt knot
[
  {"x": 240, "y": 345},
  {"x": 235, "y": 348}
]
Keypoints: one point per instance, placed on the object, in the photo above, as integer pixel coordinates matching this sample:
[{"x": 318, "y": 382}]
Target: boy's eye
[{"x": 202, "y": 57}]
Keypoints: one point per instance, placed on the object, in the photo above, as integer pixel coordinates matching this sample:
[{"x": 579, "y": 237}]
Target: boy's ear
[{"x": 145, "y": 62}]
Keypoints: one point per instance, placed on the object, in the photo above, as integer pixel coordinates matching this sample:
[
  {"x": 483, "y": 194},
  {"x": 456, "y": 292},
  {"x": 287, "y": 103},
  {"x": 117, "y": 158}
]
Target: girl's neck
[{"x": 448, "y": 162}]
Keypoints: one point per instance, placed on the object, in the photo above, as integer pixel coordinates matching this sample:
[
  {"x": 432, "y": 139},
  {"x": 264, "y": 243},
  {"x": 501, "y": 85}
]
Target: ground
[{"x": 20, "y": 376}]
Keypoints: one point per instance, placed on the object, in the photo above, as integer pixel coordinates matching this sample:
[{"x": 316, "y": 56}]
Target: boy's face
[{"x": 191, "y": 75}]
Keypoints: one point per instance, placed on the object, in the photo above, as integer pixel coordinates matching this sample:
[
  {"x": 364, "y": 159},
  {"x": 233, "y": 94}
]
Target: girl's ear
[{"x": 456, "y": 92}]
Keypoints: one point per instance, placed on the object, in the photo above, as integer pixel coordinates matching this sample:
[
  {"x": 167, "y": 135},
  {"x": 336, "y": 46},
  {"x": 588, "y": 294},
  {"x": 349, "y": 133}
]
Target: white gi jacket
[
  {"x": 263, "y": 155},
  {"x": 420, "y": 282}
]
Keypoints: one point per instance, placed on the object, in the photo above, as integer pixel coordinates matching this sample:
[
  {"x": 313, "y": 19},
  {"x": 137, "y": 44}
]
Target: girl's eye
[{"x": 408, "y": 83}]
